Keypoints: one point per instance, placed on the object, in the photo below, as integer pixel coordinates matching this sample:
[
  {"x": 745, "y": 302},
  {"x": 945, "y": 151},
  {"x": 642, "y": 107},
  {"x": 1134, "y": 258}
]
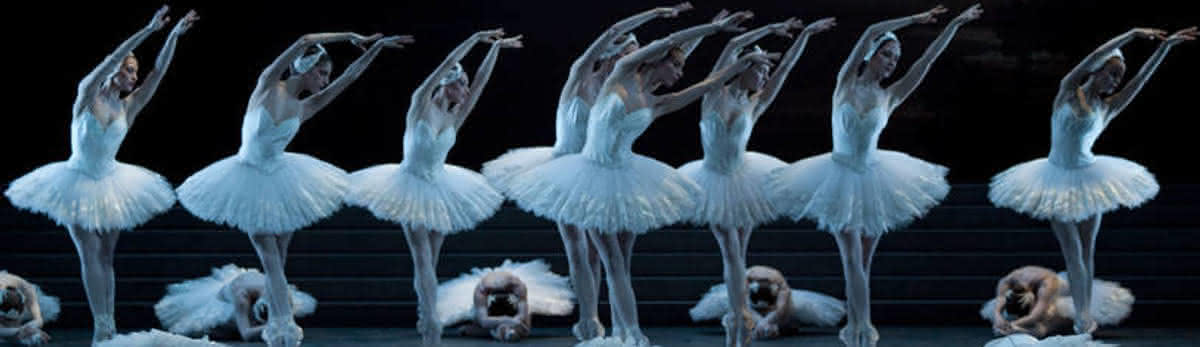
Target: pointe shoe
[
  {"x": 635, "y": 337},
  {"x": 1087, "y": 327},
  {"x": 431, "y": 331},
  {"x": 859, "y": 335},
  {"x": 588, "y": 329},
  {"x": 738, "y": 334},
  {"x": 103, "y": 328},
  {"x": 282, "y": 334}
]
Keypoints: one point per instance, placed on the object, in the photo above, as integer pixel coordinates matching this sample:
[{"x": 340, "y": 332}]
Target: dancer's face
[
  {"x": 668, "y": 70},
  {"x": 11, "y": 300},
  {"x": 1109, "y": 77},
  {"x": 456, "y": 91},
  {"x": 883, "y": 63},
  {"x": 754, "y": 78},
  {"x": 318, "y": 77},
  {"x": 127, "y": 75}
]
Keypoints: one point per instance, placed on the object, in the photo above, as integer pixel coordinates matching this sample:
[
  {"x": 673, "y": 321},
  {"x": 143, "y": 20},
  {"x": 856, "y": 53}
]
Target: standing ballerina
[
  {"x": 1072, "y": 188},
  {"x": 733, "y": 201},
  {"x": 588, "y": 73},
  {"x": 426, "y": 196},
  {"x": 269, "y": 193},
  {"x": 858, "y": 192},
  {"x": 612, "y": 192},
  {"x": 92, "y": 194}
]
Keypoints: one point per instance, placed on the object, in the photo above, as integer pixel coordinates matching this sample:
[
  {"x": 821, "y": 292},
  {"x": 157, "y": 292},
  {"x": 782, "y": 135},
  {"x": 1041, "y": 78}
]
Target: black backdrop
[{"x": 983, "y": 107}]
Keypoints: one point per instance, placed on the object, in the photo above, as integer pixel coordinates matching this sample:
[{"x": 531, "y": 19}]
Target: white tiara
[
  {"x": 1099, "y": 64},
  {"x": 878, "y": 42},
  {"x": 307, "y": 62},
  {"x": 619, "y": 45},
  {"x": 454, "y": 74}
]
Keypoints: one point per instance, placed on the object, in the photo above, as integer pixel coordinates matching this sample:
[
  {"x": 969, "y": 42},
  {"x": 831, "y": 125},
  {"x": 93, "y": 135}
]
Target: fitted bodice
[
  {"x": 1072, "y": 136},
  {"x": 725, "y": 141},
  {"x": 611, "y": 130},
  {"x": 570, "y": 126},
  {"x": 262, "y": 139},
  {"x": 425, "y": 151},
  {"x": 94, "y": 146},
  {"x": 856, "y": 133}
]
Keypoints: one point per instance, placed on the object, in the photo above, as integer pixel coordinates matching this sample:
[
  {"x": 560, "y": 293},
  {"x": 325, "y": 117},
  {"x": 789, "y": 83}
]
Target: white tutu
[
  {"x": 736, "y": 199},
  {"x": 887, "y": 194},
  {"x": 290, "y": 193},
  {"x": 450, "y": 201},
  {"x": 500, "y": 171},
  {"x": 197, "y": 306},
  {"x": 1024, "y": 340},
  {"x": 549, "y": 294},
  {"x": 808, "y": 307},
  {"x": 156, "y": 338},
  {"x": 1111, "y": 303},
  {"x": 119, "y": 199},
  {"x": 1044, "y": 190},
  {"x": 638, "y": 195}
]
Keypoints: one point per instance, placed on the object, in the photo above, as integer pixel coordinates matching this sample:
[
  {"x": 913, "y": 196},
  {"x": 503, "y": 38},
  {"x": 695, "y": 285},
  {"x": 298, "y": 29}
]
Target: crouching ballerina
[
  {"x": 732, "y": 179},
  {"x": 500, "y": 302},
  {"x": 612, "y": 192},
  {"x": 268, "y": 193},
  {"x": 24, "y": 309},
  {"x": 1073, "y": 188},
  {"x": 92, "y": 194},
  {"x": 427, "y": 197},
  {"x": 774, "y": 306},
  {"x": 229, "y": 304},
  {"x": 858, "y": 192},
  {"x": 1034, "y": 300}
]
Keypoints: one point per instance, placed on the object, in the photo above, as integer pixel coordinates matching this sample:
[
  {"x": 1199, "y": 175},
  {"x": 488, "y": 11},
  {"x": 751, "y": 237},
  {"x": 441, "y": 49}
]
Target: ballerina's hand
[
  {"x": 1149, "y": 33},
  {"x": 185, "y": 23},
  {"x": 822, "y": 25},
  {"x": 362, "y": 41},
  {"x": 395, "y": 41},
  {"x": 160, "y": 19},
  {"x": 1188, "y": 34},
  {"x": 970, "y": 14},
  {"x": 673, "y": 11},
  {"x": 511, "y": 42},
  {"x": 732, "y": 22},
  {"x": 783, "y": 28},
  {"x": 765, "y": 329},
  {"x": 930, "y": 16},
  {"x": 490, "y": 35}
]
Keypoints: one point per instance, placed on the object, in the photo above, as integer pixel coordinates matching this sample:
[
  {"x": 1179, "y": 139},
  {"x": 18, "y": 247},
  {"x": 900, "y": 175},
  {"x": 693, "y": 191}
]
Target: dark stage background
[{"x": 984, "y": 106}]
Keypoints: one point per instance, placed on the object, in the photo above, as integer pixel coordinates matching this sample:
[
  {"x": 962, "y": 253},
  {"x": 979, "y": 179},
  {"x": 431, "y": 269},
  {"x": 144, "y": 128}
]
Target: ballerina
[
  {"x": 858, "y": 192},
  {"x": 230, "y": 302},
  {"x": 92, "y": 194},
  {"x": 1073, "y": 188},
  {"x": 733, "y": 200},
  {"x": 24, "y": 309},
  {"x": 774, "y": 304},
  {"x": 1034, "y": 300},
  {"x": 500, "y": 302},
  {"x": 612, "y": 192},
  {"x": 587, "y": 75},
  {"x": 427, "y": 197},
  {"x": 266, "y": 192}
]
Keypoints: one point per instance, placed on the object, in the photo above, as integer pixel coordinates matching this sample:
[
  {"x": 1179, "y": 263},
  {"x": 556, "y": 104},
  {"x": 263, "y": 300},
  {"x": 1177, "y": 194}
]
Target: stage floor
[{"x": 898, "y": 336}]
